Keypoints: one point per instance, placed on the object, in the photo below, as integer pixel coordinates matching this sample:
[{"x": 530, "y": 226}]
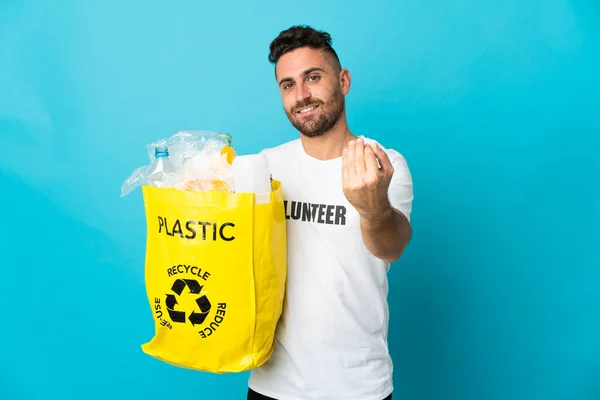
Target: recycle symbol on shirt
[{"x": 196, "y": 318}]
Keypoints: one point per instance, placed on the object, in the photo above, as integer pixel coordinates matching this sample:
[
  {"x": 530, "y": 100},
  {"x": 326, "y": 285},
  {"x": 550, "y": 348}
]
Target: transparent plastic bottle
[{"x": 161, "y": 169}]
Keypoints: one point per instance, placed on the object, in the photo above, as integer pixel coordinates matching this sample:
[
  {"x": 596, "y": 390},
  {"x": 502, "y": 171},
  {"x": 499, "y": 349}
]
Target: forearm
[{"x": 386, "y": 233}]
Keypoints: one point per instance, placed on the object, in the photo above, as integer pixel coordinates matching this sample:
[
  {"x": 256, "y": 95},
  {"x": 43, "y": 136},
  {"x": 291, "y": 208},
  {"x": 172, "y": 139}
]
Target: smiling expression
[{"x": 312, "y": 89}]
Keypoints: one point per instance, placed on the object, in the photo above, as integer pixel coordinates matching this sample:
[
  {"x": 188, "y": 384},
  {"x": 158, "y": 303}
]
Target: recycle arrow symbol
[
  {"x": 193, "y": 285},
  {"x": 197, "y": 318},
  {"x": 180, "y": 284},
  {"x": 176, "y": 316},
  {"x": 204, "y": 305},
  {"x": 171, "y": 301}
]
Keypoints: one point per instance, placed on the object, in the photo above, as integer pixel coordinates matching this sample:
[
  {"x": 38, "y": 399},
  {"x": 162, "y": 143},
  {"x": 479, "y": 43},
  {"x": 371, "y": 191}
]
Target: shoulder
[
  {"x": 283, "y": 148},
  {"x": 281, "y": 157},
  {"x": 281, "y": 151}
]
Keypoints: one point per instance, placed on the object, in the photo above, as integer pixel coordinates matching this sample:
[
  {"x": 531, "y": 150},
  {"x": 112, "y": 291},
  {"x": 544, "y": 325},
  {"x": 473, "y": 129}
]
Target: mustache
[{"x": 307, "y": 103}]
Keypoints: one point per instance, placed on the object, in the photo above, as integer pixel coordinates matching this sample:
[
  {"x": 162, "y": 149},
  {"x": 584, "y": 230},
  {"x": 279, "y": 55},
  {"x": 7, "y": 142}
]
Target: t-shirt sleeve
[{"x": 400, "y": 191}]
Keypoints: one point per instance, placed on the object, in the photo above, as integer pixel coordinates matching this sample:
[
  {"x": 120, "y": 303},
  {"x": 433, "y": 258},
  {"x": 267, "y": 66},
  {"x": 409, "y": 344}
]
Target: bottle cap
[
  {"x": 225, "y": 136},
  {"x": 161, "y": 150}
]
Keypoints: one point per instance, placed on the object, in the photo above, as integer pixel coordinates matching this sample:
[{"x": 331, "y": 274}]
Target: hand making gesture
[{"x": 365, "y": 181}]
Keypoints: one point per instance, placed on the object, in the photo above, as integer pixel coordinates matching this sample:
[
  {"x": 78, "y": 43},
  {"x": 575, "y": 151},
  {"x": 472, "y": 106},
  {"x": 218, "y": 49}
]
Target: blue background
[{"x": 494, "y": 105}]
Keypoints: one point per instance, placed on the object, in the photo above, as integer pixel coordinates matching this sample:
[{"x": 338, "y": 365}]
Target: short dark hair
[{"x": 300, "y": 36}]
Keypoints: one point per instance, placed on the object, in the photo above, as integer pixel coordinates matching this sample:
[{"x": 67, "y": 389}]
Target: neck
[{"x": 331, "y": 144}]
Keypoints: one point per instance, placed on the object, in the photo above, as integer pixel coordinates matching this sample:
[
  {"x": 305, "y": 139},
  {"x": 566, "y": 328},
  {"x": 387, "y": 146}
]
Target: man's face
[{"x": 312, "y": 90}]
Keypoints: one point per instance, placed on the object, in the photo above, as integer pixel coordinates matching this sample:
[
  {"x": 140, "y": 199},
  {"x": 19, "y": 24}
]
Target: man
[{"x": 348, "y": 204}]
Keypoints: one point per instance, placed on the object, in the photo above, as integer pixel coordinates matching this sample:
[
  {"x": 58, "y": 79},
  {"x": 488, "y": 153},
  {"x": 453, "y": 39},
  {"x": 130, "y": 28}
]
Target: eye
[
  {"x": 314, "y": 78},
  {"x": 287, "y": 86}
]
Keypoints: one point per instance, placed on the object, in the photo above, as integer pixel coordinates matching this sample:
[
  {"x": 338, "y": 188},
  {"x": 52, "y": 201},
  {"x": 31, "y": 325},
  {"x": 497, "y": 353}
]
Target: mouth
[{"x": 307, "y": 110}]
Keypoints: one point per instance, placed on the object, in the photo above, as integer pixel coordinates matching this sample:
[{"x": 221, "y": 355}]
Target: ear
[{"x": 345, "y": 81}]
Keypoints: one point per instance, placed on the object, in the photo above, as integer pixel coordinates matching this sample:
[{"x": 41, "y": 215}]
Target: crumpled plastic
[{"x": 201, "y": 161}]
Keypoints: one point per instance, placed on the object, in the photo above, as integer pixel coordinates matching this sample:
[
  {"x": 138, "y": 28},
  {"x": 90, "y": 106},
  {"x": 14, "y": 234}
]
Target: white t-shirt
[{"x": 331, "y": 340}]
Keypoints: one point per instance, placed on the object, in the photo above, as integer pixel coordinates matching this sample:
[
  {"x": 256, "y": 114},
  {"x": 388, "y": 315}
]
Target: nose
[{"x": 302, "y": 93}]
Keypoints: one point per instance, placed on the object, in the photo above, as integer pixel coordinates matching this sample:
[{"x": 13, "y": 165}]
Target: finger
[
  {"x": 384, "y": 161},
  {"x": 360, "y": 156},
  {"x": 350, "y": 160},
  {"x": 371, "y": 160},
  {"x": 345, "y": 165}
]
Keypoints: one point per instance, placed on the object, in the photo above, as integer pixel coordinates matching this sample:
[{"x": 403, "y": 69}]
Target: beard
[{"x": 326, "y": 116}]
